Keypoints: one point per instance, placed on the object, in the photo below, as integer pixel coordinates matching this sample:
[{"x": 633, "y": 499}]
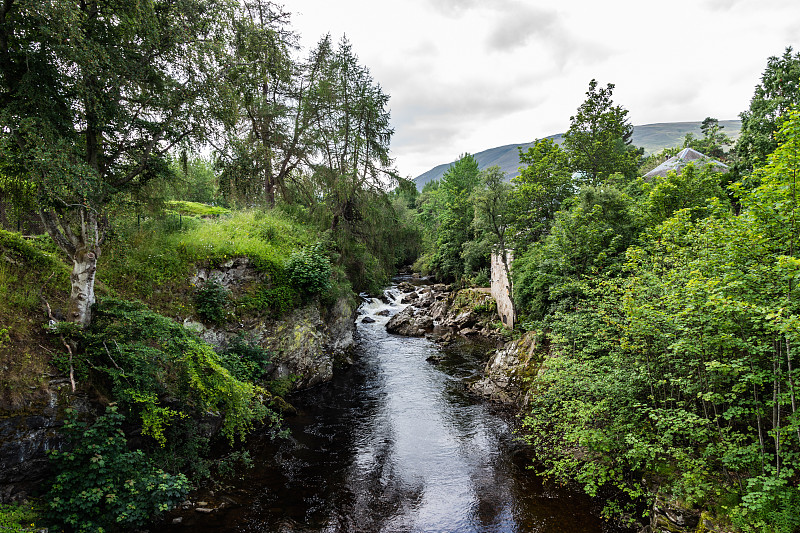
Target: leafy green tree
[
  {"x": 93, "y": 95},
  {"x": 691, "y": 189},
  {"x": 587, "y": 239},
  {"x": 713, "y": 141},
  {"x": 493, "y": 216},
  {"x": 454, "y": 217},
  {"x": 778, "y": 91},
  {"x": 598, "y": 141},
  {"x": 539, "y": 190}
]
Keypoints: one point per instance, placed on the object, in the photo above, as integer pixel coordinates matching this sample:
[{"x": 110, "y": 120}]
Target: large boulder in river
[{"x": 409, "y": 322}]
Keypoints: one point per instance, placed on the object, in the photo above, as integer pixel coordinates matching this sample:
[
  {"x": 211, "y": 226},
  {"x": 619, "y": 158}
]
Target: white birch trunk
[{"x": 81, "y": 298}]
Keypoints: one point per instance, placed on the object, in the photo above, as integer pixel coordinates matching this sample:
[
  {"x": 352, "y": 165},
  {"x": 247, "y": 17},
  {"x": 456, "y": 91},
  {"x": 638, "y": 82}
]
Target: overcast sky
[{"x": 467, "y": 75}]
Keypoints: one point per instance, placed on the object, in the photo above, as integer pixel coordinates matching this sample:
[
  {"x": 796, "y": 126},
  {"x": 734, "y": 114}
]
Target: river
[{"x": 395, "y": 443}]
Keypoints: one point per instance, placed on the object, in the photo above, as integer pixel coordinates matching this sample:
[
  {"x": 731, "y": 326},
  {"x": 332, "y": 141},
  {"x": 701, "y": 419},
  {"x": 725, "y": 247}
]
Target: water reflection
[{"x": 395, "y": 444}]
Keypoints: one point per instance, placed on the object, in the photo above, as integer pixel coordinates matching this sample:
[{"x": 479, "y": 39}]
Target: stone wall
[{"x": 500, "y": 289}]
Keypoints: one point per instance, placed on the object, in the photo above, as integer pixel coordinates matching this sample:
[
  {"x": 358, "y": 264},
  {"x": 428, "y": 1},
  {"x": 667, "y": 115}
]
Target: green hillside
[{"x": 651, "y": 137}]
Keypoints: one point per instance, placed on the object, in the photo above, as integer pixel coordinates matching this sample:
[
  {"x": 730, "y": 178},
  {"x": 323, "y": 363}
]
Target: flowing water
[{"x": 395, "y": 443}]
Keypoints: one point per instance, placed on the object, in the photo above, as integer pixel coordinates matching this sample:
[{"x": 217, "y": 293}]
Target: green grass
[
  {"x": 184, "y": 207},
  {"x": 29, "y": 274},
  {"x": 154, "y": 260}
]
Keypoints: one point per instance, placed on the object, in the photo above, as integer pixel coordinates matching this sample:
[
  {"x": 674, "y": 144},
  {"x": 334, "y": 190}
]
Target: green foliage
[
  {"x": 778, "y": 91},
  {"x": 148, "y": 357},
  {"x": 454, "y": 217},
  {"x": 584, "y": 241},
  {"x": 309, "y": 270},
  {"x": 692, "y": 189},
  {"x": 101, "y": 485},
  {"x": 245, "y": 359},
  {"x": 539, "y": 190},
  {"x": 18, "y": 518},
  {"x": 82, "y": 134},
  {"x": 678, "y": 366},
  {"x": 211, "y": 300},
  {"x": 712, "y": 143},
  {"x": 598, "y": 141}
]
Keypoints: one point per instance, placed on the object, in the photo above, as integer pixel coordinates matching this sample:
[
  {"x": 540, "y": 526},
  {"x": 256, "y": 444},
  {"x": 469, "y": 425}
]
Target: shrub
[
  {"x": 245, "y": 359},
  {"x": 18, "y": 518},
  {"x": 100, "y": 484},
  {"x": 148, "y": 358},
  {"x": 210, "y": 301},
  {"x": 309, "y": 270}
]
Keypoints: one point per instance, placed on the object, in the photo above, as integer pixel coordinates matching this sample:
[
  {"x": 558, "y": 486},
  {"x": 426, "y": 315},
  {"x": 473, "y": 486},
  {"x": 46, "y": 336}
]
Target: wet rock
[
  {"x": 506, "y": 370},
  {"x": 383, "y": 312},
  {"x": 367, "y": 320},
  {"x": 409, "y": 298},
  {"x": 406, "y": 286},
  {"x": 408, "y": 323},
  {"x": 669, "y": 516}
]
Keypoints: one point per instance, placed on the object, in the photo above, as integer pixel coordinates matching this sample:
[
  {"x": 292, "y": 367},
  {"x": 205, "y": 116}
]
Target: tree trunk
[
  {"x": 81, "y": 298},
  {"x": 83, "y": 249}
]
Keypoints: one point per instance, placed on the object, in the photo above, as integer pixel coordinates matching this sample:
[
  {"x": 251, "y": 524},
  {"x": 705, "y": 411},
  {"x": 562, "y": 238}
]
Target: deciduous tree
[{"x": 598, "y": 141}]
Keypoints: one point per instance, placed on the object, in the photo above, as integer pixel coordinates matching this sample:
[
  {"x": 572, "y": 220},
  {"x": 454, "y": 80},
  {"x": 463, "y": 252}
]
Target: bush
[
  {"x": 309, "y": 270},
  {"x": 210, "y": 301},
  {"x": 244, "y": 359},
  {"x": 18, "y": 518},
  {"x": 100, "y": 484}
]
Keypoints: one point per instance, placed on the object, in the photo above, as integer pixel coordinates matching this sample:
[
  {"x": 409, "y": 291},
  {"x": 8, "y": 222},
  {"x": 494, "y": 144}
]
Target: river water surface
[{"x": 396, "y": 444}]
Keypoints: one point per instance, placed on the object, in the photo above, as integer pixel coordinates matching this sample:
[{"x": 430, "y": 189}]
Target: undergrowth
[{"x": 161, "y": 372}]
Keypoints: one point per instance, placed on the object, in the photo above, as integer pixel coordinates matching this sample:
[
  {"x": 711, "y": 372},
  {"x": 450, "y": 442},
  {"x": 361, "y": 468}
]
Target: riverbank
[{"x": 395, "y": 442}]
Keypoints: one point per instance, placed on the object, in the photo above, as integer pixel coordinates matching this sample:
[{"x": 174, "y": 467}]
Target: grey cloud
[{"x": 519, "y": 24}]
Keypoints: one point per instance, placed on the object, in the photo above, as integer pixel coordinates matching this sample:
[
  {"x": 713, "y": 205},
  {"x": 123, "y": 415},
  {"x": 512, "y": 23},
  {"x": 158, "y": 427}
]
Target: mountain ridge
[{"x": 652, "y": 137}]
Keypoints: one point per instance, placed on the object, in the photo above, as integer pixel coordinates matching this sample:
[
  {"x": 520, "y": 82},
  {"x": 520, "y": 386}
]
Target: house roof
[{"x": 683, "y": 158}]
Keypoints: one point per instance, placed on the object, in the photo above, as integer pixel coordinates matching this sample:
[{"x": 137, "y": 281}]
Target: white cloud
[{"x": 465, "y": 75}]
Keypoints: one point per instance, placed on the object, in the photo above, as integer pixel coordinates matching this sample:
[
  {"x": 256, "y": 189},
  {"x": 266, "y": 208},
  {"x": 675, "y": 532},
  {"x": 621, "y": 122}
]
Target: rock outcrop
[
  {"x": 305, "y": 345},
  {"x": 26, "y": 434},
  {"x": 433, "y": 310},
  {"x": 506, "y": 372}
]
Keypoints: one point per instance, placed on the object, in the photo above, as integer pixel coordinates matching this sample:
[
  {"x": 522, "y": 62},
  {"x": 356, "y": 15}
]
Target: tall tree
[
  {"x": 778, "y": 91},
  {"x": 267, "y": 131},
  {"x": 493, "y": 216},
  {"x": 542, "y": 185},
  {"x": 352, "y": 132},
  {"x": 598, "y": 141},
  {"x": 455, "y": 216},
  {"x": 93, "y": 95}
]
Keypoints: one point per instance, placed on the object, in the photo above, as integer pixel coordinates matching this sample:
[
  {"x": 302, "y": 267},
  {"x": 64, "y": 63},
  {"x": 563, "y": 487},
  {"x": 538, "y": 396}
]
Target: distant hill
[{"x": 652, "y": 137}]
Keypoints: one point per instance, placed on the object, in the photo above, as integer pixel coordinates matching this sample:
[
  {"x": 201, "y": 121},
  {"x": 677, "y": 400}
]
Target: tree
[
  {"x": 713, "y": 141},
  {"x": 778, "y": 91},
  {"x": 93, "y": 95},
  {"x": 493, "y": 216},
  {"x": 539, "y": 190},
  {"x": 352, "y": 132},
  {"x": 598, "y": 141},
  {"x": 455, "y": 216},
  {"x": 267, "y": 134}
]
